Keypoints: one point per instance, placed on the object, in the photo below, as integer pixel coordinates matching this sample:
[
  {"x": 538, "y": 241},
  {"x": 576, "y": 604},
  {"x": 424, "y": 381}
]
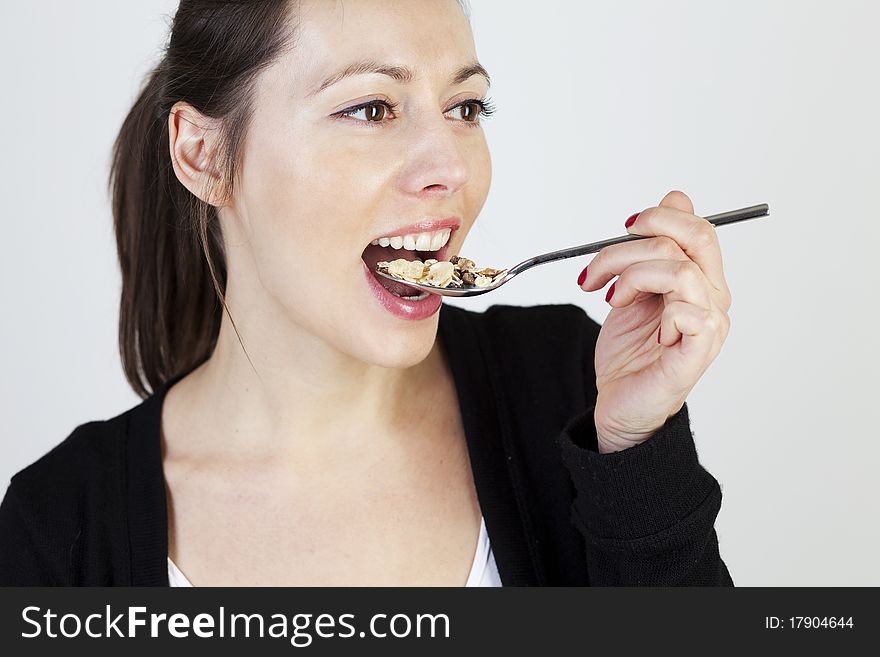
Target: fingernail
[
  {"x": 583, "y": 276},
  {"x": 659, "y": 331},
  {"x": 632, "y": 219},
  {"x": 610, "y": 292}
]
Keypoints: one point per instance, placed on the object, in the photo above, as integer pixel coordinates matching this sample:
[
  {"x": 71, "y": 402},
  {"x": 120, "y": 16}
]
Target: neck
[{"x": 306, "y": 404}]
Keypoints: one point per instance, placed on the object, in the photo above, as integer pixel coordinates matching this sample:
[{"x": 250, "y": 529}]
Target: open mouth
[{"x": 375, "y": 253}]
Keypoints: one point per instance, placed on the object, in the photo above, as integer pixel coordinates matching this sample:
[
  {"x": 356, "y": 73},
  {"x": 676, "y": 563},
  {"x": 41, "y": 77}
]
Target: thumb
[{"x": 678, "y": 200}]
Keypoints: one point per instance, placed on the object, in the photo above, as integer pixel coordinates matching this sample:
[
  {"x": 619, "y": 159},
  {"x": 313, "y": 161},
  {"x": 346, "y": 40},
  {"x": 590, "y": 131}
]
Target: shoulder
[
  {"x": 87, "y": 451},
  {"x": 86, "y": 470},
  {"x": 60, "y": 501}
]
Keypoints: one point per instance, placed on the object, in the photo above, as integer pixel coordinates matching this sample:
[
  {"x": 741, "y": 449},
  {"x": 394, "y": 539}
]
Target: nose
[{"x": 436, "y": 163}]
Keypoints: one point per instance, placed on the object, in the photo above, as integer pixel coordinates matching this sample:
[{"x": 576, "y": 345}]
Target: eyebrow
[{"x": 401, "y": 74}]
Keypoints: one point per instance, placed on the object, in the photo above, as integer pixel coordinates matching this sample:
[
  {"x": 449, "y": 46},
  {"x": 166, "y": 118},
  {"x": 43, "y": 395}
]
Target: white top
[{"x": 483, "y": 570}]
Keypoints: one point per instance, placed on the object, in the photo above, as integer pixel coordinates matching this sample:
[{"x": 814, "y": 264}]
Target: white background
[{"x": 603, "y": 107}]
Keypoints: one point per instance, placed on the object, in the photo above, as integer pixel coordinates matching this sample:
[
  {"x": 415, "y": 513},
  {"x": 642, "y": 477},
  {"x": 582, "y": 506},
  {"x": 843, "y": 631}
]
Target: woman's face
[{"x": 317, "y": 187}]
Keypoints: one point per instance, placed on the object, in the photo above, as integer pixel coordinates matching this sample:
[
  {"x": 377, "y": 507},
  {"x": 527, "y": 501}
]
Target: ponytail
[
  {"x": 169, "y": 316},
  {"x": 168, "y": 241}
]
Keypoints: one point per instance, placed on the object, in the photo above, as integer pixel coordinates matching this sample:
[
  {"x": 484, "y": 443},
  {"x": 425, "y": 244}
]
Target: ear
[{"x": 193, "y": 139}]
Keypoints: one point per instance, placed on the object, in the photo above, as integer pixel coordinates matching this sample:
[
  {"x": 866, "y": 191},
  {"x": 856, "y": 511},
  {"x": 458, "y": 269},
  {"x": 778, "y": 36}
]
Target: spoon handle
[{"x": 716, "y": 220}]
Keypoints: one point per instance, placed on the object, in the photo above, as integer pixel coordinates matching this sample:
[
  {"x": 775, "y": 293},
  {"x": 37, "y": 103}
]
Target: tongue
[{"x": 375, "y": 253}]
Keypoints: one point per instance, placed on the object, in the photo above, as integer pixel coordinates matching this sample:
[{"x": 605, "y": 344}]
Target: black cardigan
[{"x": 92, "y": 511}]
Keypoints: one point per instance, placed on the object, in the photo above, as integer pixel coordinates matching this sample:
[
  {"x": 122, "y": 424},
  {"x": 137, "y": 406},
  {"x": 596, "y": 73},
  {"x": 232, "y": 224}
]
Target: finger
[
  {"x": 676, "y": 280},
  {"x": 680, "y": 318},
  {"x": 678, "y": 200},
  {"x": 695, "y": 236},
  {"x": 698, "y": 329},
  {"x": 613, "y": 260}
]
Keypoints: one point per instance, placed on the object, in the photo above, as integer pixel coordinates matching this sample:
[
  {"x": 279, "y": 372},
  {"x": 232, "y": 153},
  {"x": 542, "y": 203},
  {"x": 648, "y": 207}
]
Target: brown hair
[{"x": 168, "y": 240}]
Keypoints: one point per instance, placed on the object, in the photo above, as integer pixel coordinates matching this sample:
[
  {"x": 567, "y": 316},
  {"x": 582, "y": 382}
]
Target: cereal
[
  {"x": 409, "y": 270},
  {"x": 456, "y": 273},
  {"x": 438, "y": 274}
]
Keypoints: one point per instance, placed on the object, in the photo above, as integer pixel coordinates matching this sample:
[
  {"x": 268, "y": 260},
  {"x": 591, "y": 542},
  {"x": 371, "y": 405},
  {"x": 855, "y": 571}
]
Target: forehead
[{"x": 432, "y": 37}]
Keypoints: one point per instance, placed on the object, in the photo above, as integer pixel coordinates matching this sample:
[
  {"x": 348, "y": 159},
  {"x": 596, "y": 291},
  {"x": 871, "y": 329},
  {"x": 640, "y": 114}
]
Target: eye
[
  {"x": 375, "y": 111},
  {"x": 475, "y": 108}
]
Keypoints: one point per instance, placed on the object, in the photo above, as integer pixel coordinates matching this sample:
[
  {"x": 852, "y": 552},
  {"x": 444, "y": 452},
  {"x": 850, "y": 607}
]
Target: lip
[
  {"x": 402, "y": 308},
  {"x": 424, "y": 226}
]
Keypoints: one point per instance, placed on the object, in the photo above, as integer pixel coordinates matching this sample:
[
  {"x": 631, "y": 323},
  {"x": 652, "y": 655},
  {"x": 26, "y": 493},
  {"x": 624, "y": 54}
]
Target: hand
[{"x": 667, "y": 323}]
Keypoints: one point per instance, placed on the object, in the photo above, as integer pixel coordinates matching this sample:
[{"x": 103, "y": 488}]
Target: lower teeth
[{"x": 418, "y": 297}]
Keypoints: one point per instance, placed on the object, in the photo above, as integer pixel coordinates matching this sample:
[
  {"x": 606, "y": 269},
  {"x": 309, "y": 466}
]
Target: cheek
[
  {"x": 307, "y": 206},
  {"x": 485, "y": 170},
  {"x": 480, "y": 167}
]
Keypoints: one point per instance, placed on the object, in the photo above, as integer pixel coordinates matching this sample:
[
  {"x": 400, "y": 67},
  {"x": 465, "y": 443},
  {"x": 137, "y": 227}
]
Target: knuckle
[
  {"x": 677, "y": 308},
  {"x": 648, "y": 213},
  {"x": 687, "y": 269},
  {"x": 705, "y": 235},
  {"x": 701, "y": 234},
  {"x": 711, "y": 320},
  {"x": 667, "y": 248},
  {"x": 728, "y": 300}
]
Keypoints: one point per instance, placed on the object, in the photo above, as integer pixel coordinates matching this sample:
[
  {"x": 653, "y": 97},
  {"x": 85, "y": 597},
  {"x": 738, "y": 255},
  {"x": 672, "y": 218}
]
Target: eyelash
[{"x": 487, "y": 109}]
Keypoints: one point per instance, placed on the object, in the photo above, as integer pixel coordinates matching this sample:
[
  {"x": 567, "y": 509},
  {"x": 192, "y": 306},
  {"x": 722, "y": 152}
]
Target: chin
[{"x": 404, "y": 347}]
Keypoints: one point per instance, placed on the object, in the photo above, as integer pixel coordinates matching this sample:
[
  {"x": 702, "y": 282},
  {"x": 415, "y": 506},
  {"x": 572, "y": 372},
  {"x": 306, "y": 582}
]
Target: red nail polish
[
  {"x": 610, "y": 292},
  {"x": 660, "y": 330},
  {"x": 632, "y": 219},
  {"x": 583, "y": 276}
]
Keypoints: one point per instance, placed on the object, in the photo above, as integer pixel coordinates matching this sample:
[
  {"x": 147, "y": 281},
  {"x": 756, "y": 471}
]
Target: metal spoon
[{"x": 716, "y": 220}]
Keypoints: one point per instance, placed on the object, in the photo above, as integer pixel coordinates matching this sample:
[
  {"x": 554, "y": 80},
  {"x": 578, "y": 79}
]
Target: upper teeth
[{"x": 417, "y": 241}]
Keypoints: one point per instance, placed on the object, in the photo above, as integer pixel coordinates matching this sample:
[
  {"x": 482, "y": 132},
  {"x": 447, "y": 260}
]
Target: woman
[{"x": 307, "y": 424}]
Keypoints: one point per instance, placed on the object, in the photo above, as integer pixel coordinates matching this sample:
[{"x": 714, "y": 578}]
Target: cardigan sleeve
[
  {"x": 20, "y": 562},
  {"x": 647, "y": 512}
]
